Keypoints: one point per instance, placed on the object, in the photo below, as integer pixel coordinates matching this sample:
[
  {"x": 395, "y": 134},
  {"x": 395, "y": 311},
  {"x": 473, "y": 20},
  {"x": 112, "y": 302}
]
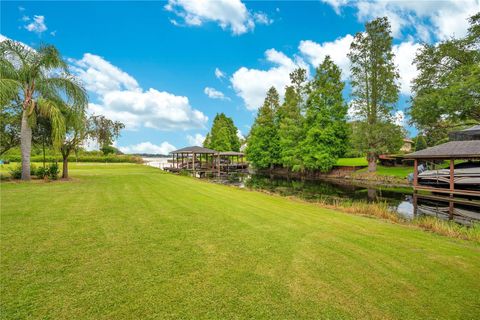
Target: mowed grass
[{"x": 130, "y": 242}]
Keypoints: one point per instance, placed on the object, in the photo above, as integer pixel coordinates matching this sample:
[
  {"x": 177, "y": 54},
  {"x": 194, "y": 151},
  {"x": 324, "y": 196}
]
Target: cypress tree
[
  {"x": 262, "y": 144},
  {"x": 326, "y": 130}
]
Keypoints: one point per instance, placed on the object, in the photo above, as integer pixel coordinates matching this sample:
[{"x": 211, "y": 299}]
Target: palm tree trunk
[
  {"x": 65, "y": 167},
  {"x": 25, "y": 145}
]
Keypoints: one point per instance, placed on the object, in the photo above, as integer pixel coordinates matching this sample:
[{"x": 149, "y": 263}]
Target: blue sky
[{"x": 152, "y": 65}]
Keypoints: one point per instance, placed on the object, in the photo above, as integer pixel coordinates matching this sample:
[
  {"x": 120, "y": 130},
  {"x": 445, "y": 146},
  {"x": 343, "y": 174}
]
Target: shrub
[
  {"x": 41, "y": 172},
  {"x": 52, "y": 171},
  {"x": 16, "y": 172}
]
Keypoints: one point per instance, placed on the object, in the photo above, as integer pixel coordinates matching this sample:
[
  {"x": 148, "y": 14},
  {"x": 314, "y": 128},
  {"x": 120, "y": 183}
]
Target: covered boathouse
[
  {"x": 463, "y": 147},
  {"x": 203, "y": 162}
]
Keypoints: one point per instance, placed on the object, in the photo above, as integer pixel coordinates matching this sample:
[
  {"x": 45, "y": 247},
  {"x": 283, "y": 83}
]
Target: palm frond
[
  {"x": 9, "y": 91},
  {"x": 52, "y": 110},
  {"x": 68, "y": 86}
]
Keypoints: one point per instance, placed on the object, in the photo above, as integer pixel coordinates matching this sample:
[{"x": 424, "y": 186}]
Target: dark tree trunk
[
  {"x": 65, "y": 167},
  {"x": 25, "y": 145}
]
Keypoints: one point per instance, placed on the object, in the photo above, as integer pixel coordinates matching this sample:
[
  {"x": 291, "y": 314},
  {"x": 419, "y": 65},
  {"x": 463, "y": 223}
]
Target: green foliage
[
  {"x": 263, "y": 142},
  {"x": 9, "y": 126},
  {"x": 383, "y": 137},
  {"x": 16, "y": 171},
  {"x": 291, "y": 122},
  {"x": 374, "y": 89},
  {"x": 104, "y": 130},
  {"x": 446, "y": 92},
  {"x": 106, "y": 150},
  {"x": 420, "y": 143},
  {"x": 223, "y": 135},
  {"x": 325, "y": 122},
  {"x": 39, "y": 83},
  {"x": 51, "y": 171},
  {"x": 81, "y": 158}
]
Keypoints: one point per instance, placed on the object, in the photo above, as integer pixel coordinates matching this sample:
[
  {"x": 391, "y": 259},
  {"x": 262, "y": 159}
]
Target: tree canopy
[
  {"x": 446, "y": 90},
  {"x": 223, "y": 135}
]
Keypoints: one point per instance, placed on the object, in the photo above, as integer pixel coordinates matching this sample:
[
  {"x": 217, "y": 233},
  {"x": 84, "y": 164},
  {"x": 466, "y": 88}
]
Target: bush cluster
[
  {"x": 82, "y": 158},
  {"x": 50, "y": 172}
]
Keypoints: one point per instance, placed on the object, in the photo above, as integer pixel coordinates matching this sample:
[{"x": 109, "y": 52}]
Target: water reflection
[{"x": 399, "y": 200}]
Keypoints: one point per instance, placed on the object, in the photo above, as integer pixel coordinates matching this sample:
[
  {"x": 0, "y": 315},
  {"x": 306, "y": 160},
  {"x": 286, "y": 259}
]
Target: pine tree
[
  {"x": 262, "y": 144},
  {"x": 374, "y": 88},
  {"x": 325, "y": 121}
]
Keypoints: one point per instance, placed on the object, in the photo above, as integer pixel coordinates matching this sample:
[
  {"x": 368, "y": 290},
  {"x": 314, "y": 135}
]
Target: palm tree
[{"x": 41, "y": 81}]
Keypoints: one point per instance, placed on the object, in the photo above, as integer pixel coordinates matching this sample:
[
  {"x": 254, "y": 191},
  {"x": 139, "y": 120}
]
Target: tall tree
[
  {"x": 374, "y": 86},
  {"x": 223, "y": 135},
  {"x": 290, "y": 122},
  {"x": 41, "y": 81},
  {"x": 326, "y": 119},
  {"x": 262, "y": 143},
  {"x": 446, "y": 92}
]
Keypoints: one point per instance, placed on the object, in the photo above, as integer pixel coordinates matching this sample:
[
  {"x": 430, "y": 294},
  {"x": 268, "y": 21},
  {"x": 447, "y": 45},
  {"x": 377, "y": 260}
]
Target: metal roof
[
  {"x": 451, "y": 150},
  {"x": 195, "y": 149}
]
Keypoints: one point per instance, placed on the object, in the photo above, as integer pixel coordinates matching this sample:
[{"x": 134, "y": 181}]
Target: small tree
[
  {"x": 420, "y": 143},
  {"x": 104, "y": 130},
  {"x": 374, "y": 88}
]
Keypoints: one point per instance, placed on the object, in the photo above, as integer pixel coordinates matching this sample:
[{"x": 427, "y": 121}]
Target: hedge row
[{"x": 109, "y": 158}]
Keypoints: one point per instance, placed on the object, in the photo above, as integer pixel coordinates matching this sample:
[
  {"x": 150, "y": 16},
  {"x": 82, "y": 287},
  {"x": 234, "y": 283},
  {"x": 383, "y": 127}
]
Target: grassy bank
[{"x": 128, "y": 241}]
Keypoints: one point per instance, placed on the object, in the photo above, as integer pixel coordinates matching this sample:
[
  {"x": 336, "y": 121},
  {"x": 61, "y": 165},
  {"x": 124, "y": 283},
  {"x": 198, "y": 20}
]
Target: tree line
[
  {"x": 309, "y": 130},
  {"x": 41, "y": 101}
]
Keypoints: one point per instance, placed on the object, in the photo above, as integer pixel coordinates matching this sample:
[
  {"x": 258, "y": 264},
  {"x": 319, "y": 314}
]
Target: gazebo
[{"x": 206, "y": 161}]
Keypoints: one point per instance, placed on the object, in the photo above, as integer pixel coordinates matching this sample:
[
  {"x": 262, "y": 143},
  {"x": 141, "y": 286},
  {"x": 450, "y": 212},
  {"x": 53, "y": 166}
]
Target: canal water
[{"x": 399, "y": 200}]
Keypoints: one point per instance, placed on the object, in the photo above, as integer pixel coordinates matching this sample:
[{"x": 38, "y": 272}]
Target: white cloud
[
  {"x": 53, "y": 33},
  {"x": 100, "y": 76},
  {"x": 37, "y": 25},
  {"x": 404, "y": 55},
  {"x": 3, "y": 38},
  {"x": 337, "y": 50},
  {"x": 121, "y": 98},
  {"x": 399, "y": 118},
  {"x": 252, "y": 84},
  {"x": 438, "y": 19},
  {"x": 336, "y": 4},
  {"x": 240, "y": 135},
  {"x": 213, "y": 93},
  {"x": 230, "y": 15},
  {"x": 262, "y": 18},
  {"x": 219, "y": 73},
  {"x": 148, "y": 147},
  {"x": 196, "y": 140}
]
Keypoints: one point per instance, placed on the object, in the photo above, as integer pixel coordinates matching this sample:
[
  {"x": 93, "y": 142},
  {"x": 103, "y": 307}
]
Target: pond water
[{"x": 400, "y": 200}]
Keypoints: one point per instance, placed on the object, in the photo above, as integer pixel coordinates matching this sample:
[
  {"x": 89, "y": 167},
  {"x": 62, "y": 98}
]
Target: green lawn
[
  {"x": 347, "y": 162},
  {"x": 130, "y": 242}
]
